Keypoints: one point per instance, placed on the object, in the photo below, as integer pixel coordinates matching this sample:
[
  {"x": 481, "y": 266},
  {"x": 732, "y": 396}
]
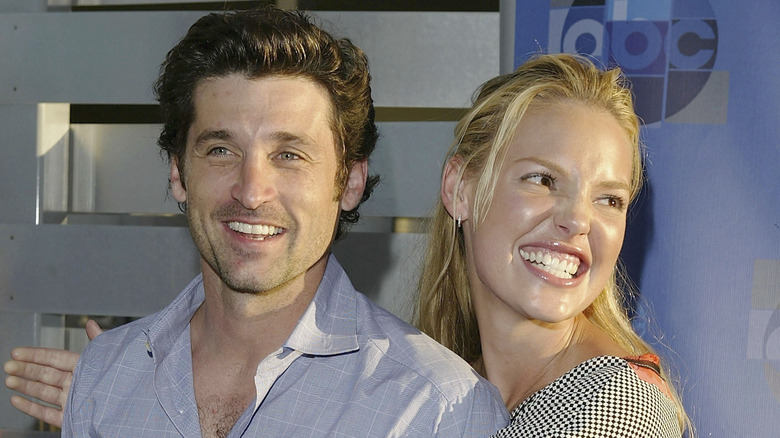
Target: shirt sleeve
[
  {"x": 478, "y": 415},
  {"x": 71, "y": 428}
]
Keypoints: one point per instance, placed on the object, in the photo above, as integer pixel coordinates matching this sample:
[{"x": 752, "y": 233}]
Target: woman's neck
[{"x": 524, "y": 359}]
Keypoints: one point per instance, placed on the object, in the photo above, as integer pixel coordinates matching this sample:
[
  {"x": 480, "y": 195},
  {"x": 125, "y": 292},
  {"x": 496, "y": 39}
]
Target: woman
[{"x": 521, "y": 276}]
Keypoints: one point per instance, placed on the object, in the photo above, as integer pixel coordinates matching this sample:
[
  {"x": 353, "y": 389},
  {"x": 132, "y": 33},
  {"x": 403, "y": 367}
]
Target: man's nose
[{"x": 254, "y": 184}]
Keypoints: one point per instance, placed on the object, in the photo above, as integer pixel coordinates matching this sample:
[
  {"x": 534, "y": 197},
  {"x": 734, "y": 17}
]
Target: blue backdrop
[{"x": 704, "y": 240}]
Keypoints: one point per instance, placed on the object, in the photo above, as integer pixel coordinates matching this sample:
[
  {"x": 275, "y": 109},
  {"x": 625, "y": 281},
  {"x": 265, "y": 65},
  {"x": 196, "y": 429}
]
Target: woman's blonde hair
[{"x": 482, "y": 138}]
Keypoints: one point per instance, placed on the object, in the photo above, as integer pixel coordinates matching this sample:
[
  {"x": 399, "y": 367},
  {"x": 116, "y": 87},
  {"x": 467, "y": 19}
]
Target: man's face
[{"x": 259, "y": 182}]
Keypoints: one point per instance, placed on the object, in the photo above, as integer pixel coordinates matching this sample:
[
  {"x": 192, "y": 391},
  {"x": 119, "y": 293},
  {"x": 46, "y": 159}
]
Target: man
[{"x": 268, "y": 126}]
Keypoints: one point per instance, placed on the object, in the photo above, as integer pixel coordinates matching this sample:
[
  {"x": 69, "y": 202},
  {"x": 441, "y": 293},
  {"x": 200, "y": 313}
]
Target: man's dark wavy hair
[{"x": 263, "y": 42}]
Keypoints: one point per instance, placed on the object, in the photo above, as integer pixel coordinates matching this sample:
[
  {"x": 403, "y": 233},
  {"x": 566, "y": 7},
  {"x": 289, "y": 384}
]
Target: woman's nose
[{"x": 574, "y": 216}]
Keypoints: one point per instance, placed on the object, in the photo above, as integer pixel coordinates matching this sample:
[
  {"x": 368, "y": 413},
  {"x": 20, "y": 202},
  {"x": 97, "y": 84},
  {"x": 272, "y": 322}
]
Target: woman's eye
[
  {"x": 614, "y": 202},
  {"x": 543, "y": 179}
]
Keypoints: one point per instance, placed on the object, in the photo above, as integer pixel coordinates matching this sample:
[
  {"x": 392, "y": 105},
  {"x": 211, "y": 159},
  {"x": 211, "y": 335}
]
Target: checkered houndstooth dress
[{"x": 601, "y": 397}]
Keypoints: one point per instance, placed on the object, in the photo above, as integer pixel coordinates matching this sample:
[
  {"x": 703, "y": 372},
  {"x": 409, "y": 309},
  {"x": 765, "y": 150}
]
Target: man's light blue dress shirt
[{"x": 349, "y": 369}]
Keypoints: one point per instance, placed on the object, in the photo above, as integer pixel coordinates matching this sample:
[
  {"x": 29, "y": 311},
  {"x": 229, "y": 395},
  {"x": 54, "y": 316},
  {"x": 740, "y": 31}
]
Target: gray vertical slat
[
  {"x": 17, "y": 328},
  {"x": 507, "y": 11},
  {"x": 19, "y": 165}
]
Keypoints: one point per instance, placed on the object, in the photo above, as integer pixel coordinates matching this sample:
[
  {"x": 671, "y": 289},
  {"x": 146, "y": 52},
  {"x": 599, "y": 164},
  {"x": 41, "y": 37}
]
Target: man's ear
[
  {"x": 356, "y": 184},
  {"x": 177, "y": 185},
  {"x": 453, "y": 192}
]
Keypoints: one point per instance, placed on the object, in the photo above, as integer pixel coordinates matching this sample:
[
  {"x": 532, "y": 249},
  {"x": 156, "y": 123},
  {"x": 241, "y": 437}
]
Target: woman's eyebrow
[{"x": 546, "y": 163}]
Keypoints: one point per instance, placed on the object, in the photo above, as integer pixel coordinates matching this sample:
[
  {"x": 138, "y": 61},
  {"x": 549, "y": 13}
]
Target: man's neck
[
  {"x": 231, "y": 333},
  {"x": 249, "y": 326}
]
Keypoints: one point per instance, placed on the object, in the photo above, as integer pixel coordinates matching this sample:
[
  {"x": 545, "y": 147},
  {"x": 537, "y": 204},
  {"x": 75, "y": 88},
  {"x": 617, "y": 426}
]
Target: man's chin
[
  {"x": 245, "y": 287},
  {"x": 249, "y": 283}
]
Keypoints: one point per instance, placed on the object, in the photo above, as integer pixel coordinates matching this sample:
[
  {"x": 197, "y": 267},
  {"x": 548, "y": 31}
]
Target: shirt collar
[
  {"x": 174, "y": 321},
  {"x": 329, "y": 324},
  {"x": 327, "y": 327}
]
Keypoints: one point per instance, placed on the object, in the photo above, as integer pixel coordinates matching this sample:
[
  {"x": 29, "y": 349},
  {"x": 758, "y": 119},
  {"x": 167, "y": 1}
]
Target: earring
[{"x": 459, "y": 221}]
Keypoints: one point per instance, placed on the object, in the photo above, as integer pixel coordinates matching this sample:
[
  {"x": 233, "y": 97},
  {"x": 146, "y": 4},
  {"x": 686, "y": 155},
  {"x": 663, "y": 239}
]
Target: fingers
[
  {"x": 93, "y": 329},
  {"x": 46, "y": 414},
  {"x": 38, "y": 373},
  {"x": 55, "y": 395},
  {"x": 49, "y": 357},
  {"x": 43, "y": 383},
  {"x": 44, "y": 374}
]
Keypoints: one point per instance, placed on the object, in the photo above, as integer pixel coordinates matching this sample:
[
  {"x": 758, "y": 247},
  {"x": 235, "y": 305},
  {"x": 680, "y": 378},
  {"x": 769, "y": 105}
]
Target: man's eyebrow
[
  {"x": 275, "y": 136},
  {"x": 219, "y": 134},
  {"x": 289, "y": 137}
]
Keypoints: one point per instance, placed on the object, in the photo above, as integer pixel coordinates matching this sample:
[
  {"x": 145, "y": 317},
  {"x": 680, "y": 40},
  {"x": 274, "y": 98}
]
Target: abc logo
[
  {"x": 668, "y": 49},
  {"x": 763, "y": 340}
]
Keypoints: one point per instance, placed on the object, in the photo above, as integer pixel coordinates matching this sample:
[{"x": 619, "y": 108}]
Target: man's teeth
[
  {"x": 259, "y": 230},
  {"x": 553, "y": 265}
]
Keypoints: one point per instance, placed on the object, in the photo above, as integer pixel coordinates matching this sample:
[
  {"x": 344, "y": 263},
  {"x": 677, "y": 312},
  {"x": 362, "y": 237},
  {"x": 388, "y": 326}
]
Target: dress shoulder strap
[{"x": 648, "y": 368}]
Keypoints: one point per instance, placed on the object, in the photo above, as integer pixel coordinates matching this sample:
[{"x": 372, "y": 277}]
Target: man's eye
[
  {"x": 219, "y": 150},
  {"x": 288, "y": 156}
]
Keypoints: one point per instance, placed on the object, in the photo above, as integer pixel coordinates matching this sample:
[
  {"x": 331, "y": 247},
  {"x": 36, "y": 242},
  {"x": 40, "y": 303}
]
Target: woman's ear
[{"x": 453, "y": 195}]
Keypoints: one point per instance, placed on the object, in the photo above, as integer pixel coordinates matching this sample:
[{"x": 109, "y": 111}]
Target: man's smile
[{"x": 255, "y": 231}]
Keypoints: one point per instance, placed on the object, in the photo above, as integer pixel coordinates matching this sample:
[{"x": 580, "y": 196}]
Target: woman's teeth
[{"x": 556, "y": 266}]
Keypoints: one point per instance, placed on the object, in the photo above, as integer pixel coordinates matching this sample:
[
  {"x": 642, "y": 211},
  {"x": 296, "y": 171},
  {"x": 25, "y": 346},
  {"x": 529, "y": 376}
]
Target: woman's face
[{"x": 551, "y": 238}]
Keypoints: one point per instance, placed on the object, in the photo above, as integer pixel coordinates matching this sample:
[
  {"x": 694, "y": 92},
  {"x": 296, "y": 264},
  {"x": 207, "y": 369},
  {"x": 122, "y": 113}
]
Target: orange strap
[{"x": 648, "y": 368}]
